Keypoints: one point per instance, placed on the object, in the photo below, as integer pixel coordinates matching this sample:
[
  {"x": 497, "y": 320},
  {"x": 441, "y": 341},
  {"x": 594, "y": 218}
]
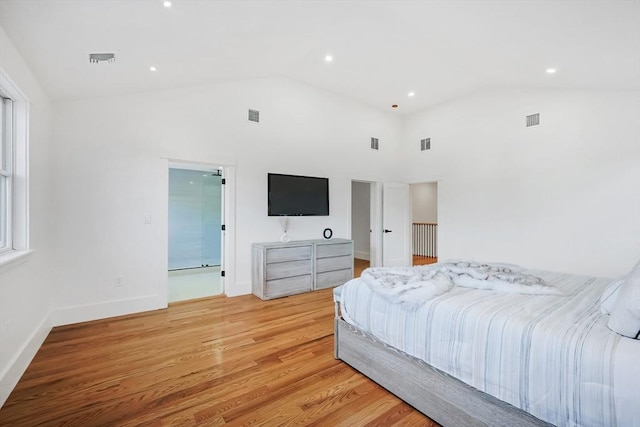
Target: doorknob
[{"x": 387, "y": 231}]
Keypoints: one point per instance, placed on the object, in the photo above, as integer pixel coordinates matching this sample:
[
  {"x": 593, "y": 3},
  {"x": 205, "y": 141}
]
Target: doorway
[
  {"x": 194, "y": 232},
  {"x": 424, "y": 228},
  {"x": 361, "y": 225},
  {"x": 380, "y": 225},
  {"x": 368, "y": 224}
]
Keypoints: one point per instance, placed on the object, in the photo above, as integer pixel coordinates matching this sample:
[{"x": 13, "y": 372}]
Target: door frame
[
  {"x": 437, "y": 182},
  {"x": 228, "y": 237},
  {"x": 376, "y": 220}
]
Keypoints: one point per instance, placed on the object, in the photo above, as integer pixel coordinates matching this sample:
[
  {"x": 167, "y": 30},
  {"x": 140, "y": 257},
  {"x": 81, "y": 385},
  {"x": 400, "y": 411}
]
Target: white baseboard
[
  {"x": 65, "y": 316},
  {"x": 85, "y": 313},
  {"x": 361, "y": 255},
  {"x": 10, "y": 377}
]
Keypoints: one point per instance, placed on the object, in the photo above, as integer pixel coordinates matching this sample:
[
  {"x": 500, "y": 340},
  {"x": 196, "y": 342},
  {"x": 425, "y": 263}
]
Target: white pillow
[
  {"x": 610, "y": 296},
  {"x": 625, "y": 317}
]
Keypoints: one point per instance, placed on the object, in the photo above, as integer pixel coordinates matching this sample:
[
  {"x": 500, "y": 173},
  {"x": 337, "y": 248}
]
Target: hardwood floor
[
  {"x": 423, "y": 260},
  {"x": 214, "y": 361},
  {"x": 359, "y": 265}
]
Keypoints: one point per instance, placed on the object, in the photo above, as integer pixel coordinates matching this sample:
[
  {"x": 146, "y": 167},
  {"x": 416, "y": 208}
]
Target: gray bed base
[{"x": 441, "y": 397}]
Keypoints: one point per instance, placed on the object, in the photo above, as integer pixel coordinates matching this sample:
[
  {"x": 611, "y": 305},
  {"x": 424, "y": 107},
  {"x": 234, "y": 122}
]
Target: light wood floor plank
[{"x": 208, "y": 362}]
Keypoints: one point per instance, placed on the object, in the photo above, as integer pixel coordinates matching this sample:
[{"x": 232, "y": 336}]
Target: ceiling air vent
[
  {"x": 96, "y": 58},
  {"x": 533, "y": 120},
  {"x": 425, "y": 144},
  {"x": 374, "y": 143},
  {"x": 254, "y": 116}
]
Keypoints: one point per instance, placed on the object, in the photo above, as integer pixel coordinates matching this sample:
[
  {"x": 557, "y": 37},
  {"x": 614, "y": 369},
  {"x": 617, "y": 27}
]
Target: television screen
[{"x": 293, "y": 195}]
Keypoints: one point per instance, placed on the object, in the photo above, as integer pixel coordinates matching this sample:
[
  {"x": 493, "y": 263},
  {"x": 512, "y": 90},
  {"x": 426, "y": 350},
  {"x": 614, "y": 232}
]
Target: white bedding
[
  {"x": 552, "y": 356},
  {"x": 415, "y": 285}
]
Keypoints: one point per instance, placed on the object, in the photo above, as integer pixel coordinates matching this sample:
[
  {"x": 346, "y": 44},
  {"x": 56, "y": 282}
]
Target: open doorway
[
  {"x": 424, "y": 229},
  {"x": 361, "y": 225},
  {"x": 371, "y": 217},
  {"x": 194, "y": 231}
]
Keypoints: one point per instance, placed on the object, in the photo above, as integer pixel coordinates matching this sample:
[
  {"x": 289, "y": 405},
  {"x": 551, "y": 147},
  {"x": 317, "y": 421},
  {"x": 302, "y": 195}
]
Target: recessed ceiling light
[
  {"x": 152, "y": 68},
  {"x": 411, "y": 94},
  {"x": 551, "y": 70},
  {"x": 328, "y": 58},
  {"x": 166, "y": 3}
]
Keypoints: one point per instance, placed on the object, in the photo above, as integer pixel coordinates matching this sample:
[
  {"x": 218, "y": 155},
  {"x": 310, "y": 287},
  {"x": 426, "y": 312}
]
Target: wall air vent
[
  {"x": 96, "y": 58},
  {"x": 425, "y": 144},
  {"x": 254, "y": 116},
  {"x": 374, "y": 143},
  {"x": 533, "y": 120}
]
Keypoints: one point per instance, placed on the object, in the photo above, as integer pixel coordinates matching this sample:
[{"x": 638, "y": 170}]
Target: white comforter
[{"x": 551, "y": 355}]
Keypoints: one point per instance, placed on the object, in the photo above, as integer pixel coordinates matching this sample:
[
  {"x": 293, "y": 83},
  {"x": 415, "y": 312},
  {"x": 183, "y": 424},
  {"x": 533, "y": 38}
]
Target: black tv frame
[{"x": 324, "y": 212}]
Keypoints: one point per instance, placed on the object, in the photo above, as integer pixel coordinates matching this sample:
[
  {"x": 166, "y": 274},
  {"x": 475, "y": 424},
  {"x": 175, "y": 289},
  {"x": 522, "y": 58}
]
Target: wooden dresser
[{"x": 281, "y": 269}]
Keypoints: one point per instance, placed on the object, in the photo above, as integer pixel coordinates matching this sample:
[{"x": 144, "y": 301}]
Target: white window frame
[
  {"x": 18, "y": 157},
  {"x": 6, "y": 174}
]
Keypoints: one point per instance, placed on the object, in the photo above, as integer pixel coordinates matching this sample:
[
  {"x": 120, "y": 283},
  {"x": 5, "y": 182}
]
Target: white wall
[
  {"x": 360, "y": 219},
  {"x": 26, "y": 286},
  {"x": 424, "y": 202},
  {"x": 564, "y": 195},
  {"x": 110, "y": 174}
]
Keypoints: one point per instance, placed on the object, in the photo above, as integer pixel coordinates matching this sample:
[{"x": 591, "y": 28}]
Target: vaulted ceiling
[{"x": 381, "y": 50}]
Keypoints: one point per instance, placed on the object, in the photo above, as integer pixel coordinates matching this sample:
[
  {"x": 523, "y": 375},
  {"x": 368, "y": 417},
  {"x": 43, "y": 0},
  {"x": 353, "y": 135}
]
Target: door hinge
[
  {"x": 223, "y": 181},
  {"x": 222, "y": 273},
  {"x": 223, "y": 227}
]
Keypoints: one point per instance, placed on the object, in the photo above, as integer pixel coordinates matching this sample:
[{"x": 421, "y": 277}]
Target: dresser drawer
[
  {"x": 288, "y": 254},
  {"x": 333, "y": 278},
  {"x": 333, "y": 263},
  {"x": 281, "y": 270},
  {"x": 334, "y": 249},
  {"x": 288, "y": 286}
]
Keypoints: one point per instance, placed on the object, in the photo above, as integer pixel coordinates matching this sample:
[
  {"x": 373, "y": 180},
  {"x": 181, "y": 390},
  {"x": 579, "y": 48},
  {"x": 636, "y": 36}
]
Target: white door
[
  {"x": 375, "y": 224},
  {"x": 396, "y": 225}
]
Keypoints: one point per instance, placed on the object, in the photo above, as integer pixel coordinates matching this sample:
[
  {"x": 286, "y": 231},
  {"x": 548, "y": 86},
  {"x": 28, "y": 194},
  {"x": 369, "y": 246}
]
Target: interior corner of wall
[{"x": 11, "y": 374}]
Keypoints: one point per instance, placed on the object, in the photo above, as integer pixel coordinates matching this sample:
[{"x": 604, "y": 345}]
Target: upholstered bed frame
[{"x": 441, "y": 397}]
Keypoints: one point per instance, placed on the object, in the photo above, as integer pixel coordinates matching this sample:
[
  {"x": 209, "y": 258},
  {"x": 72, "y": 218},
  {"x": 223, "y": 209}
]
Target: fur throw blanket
[
  {"x": 413, "y": 285},
  {"x": 407, "y": 285}
]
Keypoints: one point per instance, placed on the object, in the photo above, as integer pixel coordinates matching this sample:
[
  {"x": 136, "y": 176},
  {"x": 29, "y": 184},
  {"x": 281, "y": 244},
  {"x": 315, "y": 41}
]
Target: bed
[{"x": 471, "y": 356}]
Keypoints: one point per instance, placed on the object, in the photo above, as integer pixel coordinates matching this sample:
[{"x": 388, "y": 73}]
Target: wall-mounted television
[{"x": 293, "y": 195}]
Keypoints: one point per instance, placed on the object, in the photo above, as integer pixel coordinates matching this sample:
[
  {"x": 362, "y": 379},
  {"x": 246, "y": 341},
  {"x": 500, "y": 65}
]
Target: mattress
[{"x": 552, "y": 356}]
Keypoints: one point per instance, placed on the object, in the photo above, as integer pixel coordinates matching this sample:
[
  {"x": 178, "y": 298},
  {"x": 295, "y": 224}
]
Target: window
[
  {"x": 14, "y": 200},
  {"x": 6, "y": 174}
]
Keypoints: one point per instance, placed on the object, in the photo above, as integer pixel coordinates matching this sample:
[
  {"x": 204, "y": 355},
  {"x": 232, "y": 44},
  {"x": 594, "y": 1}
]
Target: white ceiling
[{"x": 382, "y": 49}]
